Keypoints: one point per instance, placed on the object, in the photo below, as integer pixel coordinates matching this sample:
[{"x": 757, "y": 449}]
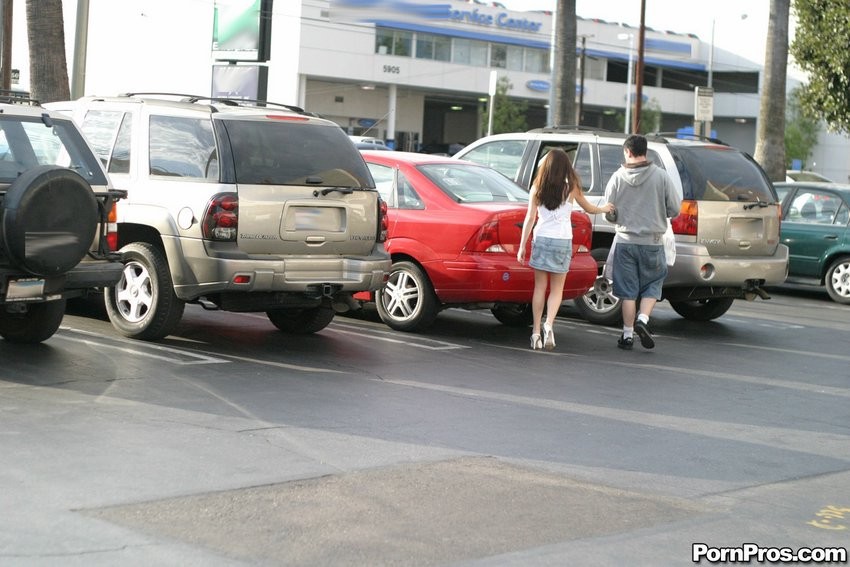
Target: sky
[{"x": 732, "y": 32}]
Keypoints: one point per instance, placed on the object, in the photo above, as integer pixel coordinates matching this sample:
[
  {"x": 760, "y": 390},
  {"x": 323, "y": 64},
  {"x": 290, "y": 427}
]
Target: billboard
[
  {"x": 245, "y": 82},
  {"x": 242, "y": 30}
]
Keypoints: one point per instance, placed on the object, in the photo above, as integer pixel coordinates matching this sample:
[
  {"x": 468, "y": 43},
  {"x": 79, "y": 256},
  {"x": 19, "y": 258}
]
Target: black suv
[
  {"x": 55, "y": 201},
  {"x": 727, "y": 234}
]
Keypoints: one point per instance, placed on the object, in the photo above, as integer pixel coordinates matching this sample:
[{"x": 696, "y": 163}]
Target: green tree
[
  {"x": 650, "y": 118},
  {"x": 770, "y": 130},
  {"x": 820, "y": 48},
  {"x": 508, "y": 115},
  {"x": 801, "y": 130},
  {"x": 46, "y": 39}
]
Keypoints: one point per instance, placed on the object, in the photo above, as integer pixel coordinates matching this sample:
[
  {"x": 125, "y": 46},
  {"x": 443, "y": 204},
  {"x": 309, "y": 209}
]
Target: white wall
[{"x": 831, "y": 157}]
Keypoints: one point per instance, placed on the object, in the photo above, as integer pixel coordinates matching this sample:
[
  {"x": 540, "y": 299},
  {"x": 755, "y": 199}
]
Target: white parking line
[
  {"x": 788, "y": 351},
  {"x": 178, "y": 356},
  {"x": 148, "y": 350},
  {"x": 410, "y": 340},
  {"x": 831, "y": 445}
]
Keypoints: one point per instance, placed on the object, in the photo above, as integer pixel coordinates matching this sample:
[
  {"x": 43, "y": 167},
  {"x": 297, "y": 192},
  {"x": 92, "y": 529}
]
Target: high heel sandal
[
  {"x": 548, "y": 337},
  {"x": 536, "y": 343}
]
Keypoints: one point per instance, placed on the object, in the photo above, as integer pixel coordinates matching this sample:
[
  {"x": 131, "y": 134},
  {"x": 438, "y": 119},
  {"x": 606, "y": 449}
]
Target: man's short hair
[{"x": 636, "y": 144}]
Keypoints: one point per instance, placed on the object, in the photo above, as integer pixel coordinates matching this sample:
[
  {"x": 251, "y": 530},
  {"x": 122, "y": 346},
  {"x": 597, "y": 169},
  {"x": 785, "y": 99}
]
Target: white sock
[
  {"x": 628, "y": 332},
  {"x": 643, "y": 319}
]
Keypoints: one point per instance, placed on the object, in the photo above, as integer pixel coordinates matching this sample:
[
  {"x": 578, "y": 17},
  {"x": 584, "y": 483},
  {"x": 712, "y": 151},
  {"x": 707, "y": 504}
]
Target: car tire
[
  {"x": 407, "y": 301},
  {"x": 301, "y": 321},
  {"x": 513, "y": 314},
  {"x": 57, "y": 205},
  {"x": 598, "y": 305},
  {"x": 38, "y": 323},
  {"x": 702, "y": 309},
  {"x": 838, "y": 280},
  {"x": 143, "y": 305}
]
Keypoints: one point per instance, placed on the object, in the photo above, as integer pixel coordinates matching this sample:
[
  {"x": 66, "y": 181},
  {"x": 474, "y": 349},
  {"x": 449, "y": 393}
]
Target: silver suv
[
  {"x": 234, "y": 205},
  {"x": 727, "y": 234},
  {"x": 55, "y": 202}
]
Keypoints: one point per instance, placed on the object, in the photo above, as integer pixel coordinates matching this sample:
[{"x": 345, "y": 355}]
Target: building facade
[{"x": 420, "y": 77}]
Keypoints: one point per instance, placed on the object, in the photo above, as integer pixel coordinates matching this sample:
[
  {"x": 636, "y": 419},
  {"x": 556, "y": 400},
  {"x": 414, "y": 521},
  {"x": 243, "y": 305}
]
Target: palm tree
[
  {"x": 46, "y": 38},
  {"x": 770, "y": 133},
  {"x": 566, "y": 35}
]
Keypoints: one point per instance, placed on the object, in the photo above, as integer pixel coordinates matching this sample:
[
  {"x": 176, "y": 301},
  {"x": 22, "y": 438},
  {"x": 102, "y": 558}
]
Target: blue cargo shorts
[{"x": 639, "y": 270}]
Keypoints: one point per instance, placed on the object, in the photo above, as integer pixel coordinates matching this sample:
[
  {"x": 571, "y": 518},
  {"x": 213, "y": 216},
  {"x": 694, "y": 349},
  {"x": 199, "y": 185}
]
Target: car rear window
[
  {"x": 295, "y": 153},
  {"x": 466, "y": 183},
  {"x": 26, "y": 142},
  {"x": 719, "y": 173}
]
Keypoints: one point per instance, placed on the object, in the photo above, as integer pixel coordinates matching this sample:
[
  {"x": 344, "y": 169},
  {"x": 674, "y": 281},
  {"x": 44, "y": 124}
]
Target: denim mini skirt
[{"x": 551, "y": 254}]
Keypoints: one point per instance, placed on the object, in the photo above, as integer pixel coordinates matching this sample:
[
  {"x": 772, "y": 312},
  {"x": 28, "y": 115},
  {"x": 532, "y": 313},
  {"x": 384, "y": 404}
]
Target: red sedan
[{"x": 454, "y": 228}]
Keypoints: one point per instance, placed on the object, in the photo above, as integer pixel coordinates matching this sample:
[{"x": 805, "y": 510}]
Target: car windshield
[
  {"x": 719, "y": 173},
  {"x": 279, "y": 152},
  {"x": 28, "y": 142},
  {"x": 467, "y": 183}
]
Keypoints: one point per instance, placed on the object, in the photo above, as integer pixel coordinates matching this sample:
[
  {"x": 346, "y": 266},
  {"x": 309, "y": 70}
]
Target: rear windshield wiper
[
  {"x": 761, "y": 204},
  {"x": 326, "y": 190}
]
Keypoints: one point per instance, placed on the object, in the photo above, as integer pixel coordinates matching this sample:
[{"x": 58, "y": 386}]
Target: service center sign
[{"x": 502, "y": 20}]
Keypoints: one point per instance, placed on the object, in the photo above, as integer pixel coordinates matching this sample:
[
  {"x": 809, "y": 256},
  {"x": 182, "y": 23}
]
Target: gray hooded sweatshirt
[{"x": 645, "y": 198}]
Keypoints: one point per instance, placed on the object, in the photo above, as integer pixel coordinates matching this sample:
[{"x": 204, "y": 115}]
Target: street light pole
[{"x": 631, "y": 38}]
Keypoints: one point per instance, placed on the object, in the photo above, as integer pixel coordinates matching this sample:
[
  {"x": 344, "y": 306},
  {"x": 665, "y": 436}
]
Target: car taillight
[
  {"x": 112, "y": 228},
  {"x": 582, "y": 231},
  {"x": 221, "y": 218},
  {"x": 687, "y": 221},
  {"x": 383, "y": 221},
  {"x": 486, "y": 239}
]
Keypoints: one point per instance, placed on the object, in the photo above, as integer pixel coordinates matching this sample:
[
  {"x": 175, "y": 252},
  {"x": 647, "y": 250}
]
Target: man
[{"x": 644, "y": 198}]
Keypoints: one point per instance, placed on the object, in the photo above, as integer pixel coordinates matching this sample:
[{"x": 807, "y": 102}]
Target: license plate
[
  {"x": 25, "y": 289},
  {"x": 746, "y": 229},
  {"x": 328, "y": 219}
]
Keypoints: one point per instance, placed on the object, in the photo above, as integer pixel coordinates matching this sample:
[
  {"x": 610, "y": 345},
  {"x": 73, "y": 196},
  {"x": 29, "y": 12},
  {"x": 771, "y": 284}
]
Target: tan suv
[
  {"x": 233, "y": 205},
  {"x": 727, "y": 234}
]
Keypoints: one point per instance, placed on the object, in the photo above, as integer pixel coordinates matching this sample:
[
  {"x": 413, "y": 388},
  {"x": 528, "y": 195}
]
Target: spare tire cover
[{"x": 50, "y": 219}]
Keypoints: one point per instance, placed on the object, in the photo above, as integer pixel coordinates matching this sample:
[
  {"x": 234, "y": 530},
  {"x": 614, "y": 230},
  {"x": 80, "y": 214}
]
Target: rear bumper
[
  {"x": 94, "y": 274},
  {"x": 483, "y": 278},
  {"x": 76, "y": 282},
  {"x": 200, "y": 274},
  {"x": 694, "y": 267}
]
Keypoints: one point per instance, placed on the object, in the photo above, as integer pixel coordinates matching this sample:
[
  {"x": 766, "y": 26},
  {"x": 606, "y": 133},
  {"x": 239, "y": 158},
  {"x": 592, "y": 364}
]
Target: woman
[{"x": 550, "y": 203}]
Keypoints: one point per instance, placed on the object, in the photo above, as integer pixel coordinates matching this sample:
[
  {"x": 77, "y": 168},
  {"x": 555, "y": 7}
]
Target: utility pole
[
  {"x": 639, "y": 80},
  {"x": 6, "y": 57},
  {"x": 81, "y": 41},
  {"x": 580, "y": 108}
]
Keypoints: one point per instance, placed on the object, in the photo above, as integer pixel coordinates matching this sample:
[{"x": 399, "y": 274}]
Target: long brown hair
[{"x": 555, "y": 178}]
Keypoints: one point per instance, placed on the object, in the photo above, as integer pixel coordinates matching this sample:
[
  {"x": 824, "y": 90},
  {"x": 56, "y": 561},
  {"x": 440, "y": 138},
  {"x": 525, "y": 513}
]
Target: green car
[{"x": 814, "y": 227}]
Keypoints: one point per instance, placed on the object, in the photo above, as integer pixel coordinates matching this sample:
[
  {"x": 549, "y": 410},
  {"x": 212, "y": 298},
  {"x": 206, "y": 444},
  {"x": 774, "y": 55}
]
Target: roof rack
[
  {"x": 681, "y": 135},
  {"x": 17, "y": 97},
  {"x": 567, "y": 128},
  {"x": 228, "y": 101}
]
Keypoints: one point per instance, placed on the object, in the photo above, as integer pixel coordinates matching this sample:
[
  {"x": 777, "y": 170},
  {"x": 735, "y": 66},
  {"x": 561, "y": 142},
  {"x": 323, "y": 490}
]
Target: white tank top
[{"x": 554, "y": 224}]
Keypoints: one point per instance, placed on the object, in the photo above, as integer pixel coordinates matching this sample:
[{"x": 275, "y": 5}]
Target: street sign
[{"x": 704, "y": 104}]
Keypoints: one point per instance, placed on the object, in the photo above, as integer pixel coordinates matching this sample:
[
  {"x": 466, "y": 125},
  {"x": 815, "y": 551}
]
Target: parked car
[
  {"x": 454, "y": 228},
  {"x": 55, "y": 207},
  {"x": 727, "y": 235},
  {"x": 233, "y": 206},
  {"x": 814, "y": 227},
  {"x": 800, "y": 175},
  {"x": 368, "y": 143}
]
